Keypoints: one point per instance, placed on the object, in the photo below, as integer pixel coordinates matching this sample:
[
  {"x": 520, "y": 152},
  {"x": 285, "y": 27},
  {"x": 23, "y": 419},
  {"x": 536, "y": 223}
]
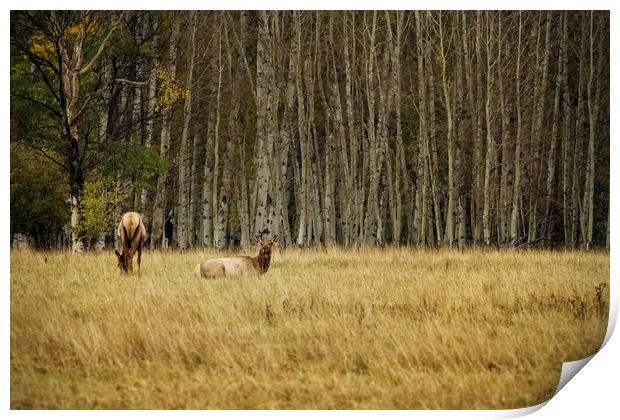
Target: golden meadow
[{"x": 371, "y": 328}]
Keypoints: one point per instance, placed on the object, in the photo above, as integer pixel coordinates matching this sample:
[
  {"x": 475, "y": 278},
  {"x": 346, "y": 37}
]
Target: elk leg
[{"x": 139, "y": 259}]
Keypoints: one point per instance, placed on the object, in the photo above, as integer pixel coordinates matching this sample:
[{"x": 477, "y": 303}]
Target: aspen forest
[
  {"x": 354, "y": 128},
  {"x": 338, "y": 209}
]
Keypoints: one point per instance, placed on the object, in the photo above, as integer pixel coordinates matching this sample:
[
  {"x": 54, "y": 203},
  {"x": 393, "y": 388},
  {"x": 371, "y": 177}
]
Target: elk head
[
  {"x": 122, "y": 261},
  {"x": 265, "y": 245}
]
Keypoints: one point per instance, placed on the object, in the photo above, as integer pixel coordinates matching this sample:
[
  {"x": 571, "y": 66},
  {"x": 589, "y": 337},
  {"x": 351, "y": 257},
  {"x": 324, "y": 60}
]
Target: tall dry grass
[{"x": 392, "y": 328}]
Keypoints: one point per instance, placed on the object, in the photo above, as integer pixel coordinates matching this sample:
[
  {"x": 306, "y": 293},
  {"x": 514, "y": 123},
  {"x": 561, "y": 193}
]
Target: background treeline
[{"x": 351, "y": 128}]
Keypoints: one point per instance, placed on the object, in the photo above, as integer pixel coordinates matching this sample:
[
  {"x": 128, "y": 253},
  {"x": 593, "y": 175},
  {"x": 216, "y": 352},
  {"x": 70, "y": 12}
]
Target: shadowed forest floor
[{"x": 391, "y": 328}]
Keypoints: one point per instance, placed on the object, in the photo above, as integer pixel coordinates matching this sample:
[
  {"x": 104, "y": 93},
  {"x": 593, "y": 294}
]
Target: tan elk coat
[
  {"x": 239, "y": 265},
  {"x": 131, "y": 236}
]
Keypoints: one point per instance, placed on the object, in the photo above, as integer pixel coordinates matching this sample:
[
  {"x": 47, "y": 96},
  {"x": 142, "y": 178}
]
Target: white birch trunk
[
  {"x": 490, "y": 149},
  {"x": 207, "y": 180},
  {"x": 450, "y": 211},
  {"x": 516, "y": 191},
  {"x": 182, "y": 183},
  {"x": 264, "y": 151},
  {"x": 193, "y": 193},
  {"x": 150, "y": 121},
  {"x": 504, "y": 205},
  {"x": 159, "y": 207},
  {"x": 551, "y": 158},
  {"x": 593, "y": 91}
]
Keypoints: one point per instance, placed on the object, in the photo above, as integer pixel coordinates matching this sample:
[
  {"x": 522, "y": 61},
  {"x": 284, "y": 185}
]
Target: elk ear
[
  {"x": 257, "y": 238},
  {"x": 275, "y": 239}
]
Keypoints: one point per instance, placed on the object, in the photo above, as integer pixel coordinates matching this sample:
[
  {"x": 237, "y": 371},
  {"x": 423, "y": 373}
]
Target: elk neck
[{"x": 261, "y": 262}]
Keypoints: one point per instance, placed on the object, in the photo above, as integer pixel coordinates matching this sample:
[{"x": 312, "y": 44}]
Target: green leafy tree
[
  {"x": 68, "y": 69},
  {"x": 100, "y": 199},
  {"x": 38, "y": 207}
]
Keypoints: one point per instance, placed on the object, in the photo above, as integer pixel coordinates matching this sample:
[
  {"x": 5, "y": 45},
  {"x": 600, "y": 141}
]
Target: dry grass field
[{"x": 391, "y": 328}]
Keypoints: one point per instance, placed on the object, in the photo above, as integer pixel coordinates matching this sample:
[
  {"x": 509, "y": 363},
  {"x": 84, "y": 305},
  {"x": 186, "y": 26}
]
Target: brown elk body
[
  {"x": 131, "y": 236},
  {"x": 240, "y": 265}
]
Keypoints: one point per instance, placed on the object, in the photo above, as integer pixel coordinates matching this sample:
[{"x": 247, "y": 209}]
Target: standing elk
[
  {"x": 239, "y": 265},
  {"x": 131, "y": 235}
]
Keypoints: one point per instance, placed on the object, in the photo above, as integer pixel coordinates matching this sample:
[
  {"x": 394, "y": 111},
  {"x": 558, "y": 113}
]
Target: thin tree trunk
[
  {"x": 578, "y": 232},
  {"x": 150, "y": 121},
  {"x": 352, "y": 218},
  {"x": 263, "y": 223},
  {"x": 220, "y": 193},
  {"x": 157, "y": 233},
  {"x": 490, "y": 149},
  {"x": 433, "y": 161},
  {"x": 284, "y": 89},
  {"x": 422, "y": 158},
  {"x": 472, "y": 114},
  {"x": 478, "y": 194},
  {"x": 593, "y": 90},
  {"x": 343, "y": 161},
  {"x": 395, "y": 168},
  {"x": 448, "y": 105},
  {"x": 136, "y": 111},
  {"x": 536, "y": 138},
  {"x": 504, "y": 210},
  {"x": 460, "y": 125},
  {"x": 207, "y": 179},
  {"x": 193, "y": 193},
  {"x": 566, "y": 138},
  {"x": 516, "y": 191},
  {"x": 372, "y": 207},
  {"x": 302, "y": 129},
  {"x": 244, "y": 207},
  {"x": 182, "y": 187},
  {"x": 549, "y": 198}
]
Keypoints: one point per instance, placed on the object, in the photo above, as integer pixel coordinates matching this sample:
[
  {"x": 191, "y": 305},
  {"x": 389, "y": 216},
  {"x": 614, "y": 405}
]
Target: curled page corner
[
  {"x": 613, "y": 314},
  {"x": 570, "y": 369},
  {"x": 520, "y": 412}
]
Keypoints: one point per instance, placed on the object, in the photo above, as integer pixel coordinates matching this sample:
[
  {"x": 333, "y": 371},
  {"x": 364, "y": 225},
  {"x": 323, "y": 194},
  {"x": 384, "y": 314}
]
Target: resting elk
[
  {"x": 240, "y": 265},
  {"x": 131, "y": 236}
]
